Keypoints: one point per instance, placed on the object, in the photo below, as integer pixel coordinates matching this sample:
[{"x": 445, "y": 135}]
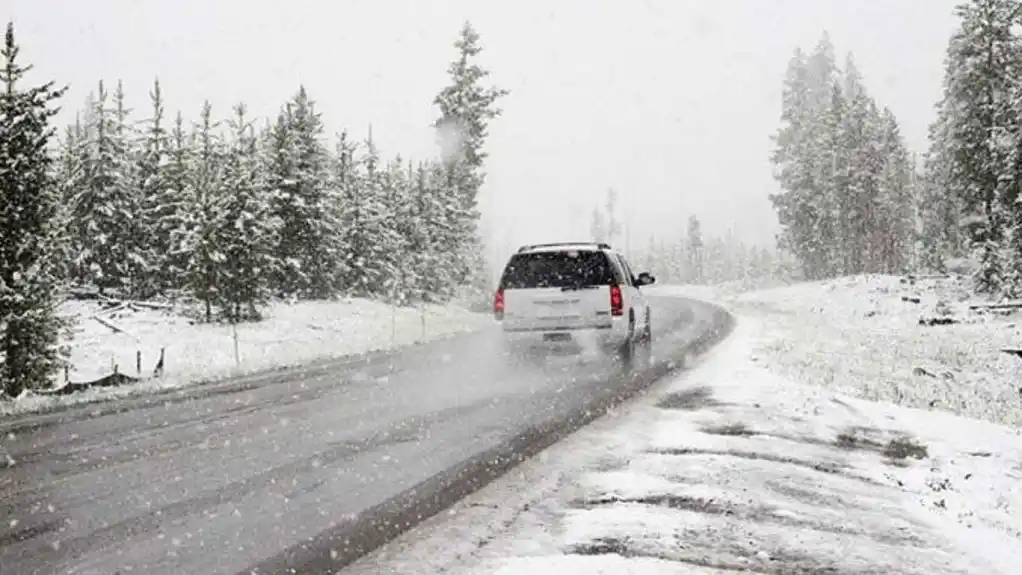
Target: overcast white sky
[{"x": 671, "y": 102}]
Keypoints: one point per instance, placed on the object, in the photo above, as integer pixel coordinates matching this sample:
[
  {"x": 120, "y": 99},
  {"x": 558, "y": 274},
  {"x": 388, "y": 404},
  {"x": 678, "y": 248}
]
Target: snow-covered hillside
[
  {"x": 292, "y": 334},
  {"x": 756, "y": 459}
]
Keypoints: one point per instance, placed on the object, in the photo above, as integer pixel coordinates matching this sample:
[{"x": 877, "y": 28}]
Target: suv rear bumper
[{"x": 567, "y": 339}]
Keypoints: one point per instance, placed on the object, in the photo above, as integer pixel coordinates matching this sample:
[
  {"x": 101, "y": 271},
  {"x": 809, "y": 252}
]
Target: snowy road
[{"x": 298, "y": 471}]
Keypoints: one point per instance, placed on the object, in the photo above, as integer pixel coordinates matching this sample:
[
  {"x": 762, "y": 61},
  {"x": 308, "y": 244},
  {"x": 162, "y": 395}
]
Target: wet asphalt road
[{"x": 237, "y": 477}]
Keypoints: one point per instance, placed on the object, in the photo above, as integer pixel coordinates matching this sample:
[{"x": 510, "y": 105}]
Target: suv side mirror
[{"x": 645, "y": 279}]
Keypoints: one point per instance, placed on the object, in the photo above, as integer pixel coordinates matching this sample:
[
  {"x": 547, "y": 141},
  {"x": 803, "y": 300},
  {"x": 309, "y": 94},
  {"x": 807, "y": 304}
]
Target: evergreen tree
[
  {"x": 980, "y": 72},
  {"x": 369, "y": 235},
  {"x": 939, "y": 209},
  {"x": 246, "y": 230},
  {"x": 398, "y": 230},
  {"x": 344, "y": 182},
  {"x": 835, "y": 201},
  {"x": 160, "y": 206},
  {"x": 796, "y": 207},
  {"x": 696, "y": 246},
  {"x": 204, "y": 219},
  {"x": 282, "y": 170},
  {"x": 106, "y": 209},
  {"x": 605, "y": 226},
  {"x": 435, "y": 200},
  {"x": 305, "y": 203},
  {"x": 30, "y": 326},
  {"x": 134, "y": 234},
  {"x": 172, "y": 222},
  {"x": 597, "y": 226},
  {"x": 466, "y": 109},
  {"x": 72, "y": 159},
  {"x": 893, "y": 226}
]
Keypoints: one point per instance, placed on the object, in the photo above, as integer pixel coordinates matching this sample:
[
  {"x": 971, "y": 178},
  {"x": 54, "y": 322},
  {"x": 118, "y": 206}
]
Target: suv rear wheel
[
  {"x": 646, "y": 343},
  {"x": 626, "y": 353}
]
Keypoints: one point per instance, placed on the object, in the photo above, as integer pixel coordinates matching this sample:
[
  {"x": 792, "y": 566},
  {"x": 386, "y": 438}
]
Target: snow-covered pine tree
[
  {"x": 613, "y": 229},
  {"x": 604, "y": 226},
  {"x": 857, "y": 189},
  {"x": 792, "y": 156},
  {"x": 105, "y": 212},
  {"x": 368, "y": 234},
  {"x": 833, "y": 201},
  {"x": 135, "y": 233},
  {"x": 893, "y": 225},
  {"x": 414, "y": 234},
  {"x": 817, "y": 153},
  {"x": 1010, "y": 141},
  {"x": 202, "y": 275},
  {"x": 695, "y": 260},
  {"x": 597, "y": 226},
  {"x": 980, "y": 71},
  {"x": 71, "y": 178},
  {"x": 420, "y": 256},
  {"x": 868, "y": 171},
  {"x": 287, "y": 205},
  {"x": 399, "y": 203},
  {"x": 160, "y": 204},
  {"x": 320, "y": 248},
  {"x": 30, "y": 325},
  {"x": 305, "y": 203},
  {"x": 173, "y": 223},
  {"x": 343, "y": 183},
  {"x": 437, "y": 265},
  {"x": 466, "y": 109},
  {"x": 246, "y": 230},
  {"x": 939, "y": 208}
]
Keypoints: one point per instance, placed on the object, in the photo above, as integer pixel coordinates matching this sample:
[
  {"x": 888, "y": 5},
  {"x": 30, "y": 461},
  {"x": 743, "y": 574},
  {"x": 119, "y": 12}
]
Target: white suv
[{"x": 579, "y": 295}]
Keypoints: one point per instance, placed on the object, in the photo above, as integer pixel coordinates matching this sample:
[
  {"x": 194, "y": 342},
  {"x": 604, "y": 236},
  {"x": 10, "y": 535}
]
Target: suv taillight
[
  {"x": 617, "y": 304},
  {"x": 498, "y": 304}
]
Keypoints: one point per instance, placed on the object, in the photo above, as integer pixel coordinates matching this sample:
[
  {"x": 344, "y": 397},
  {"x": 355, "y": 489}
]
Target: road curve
[{"x": 300, "y": 471}]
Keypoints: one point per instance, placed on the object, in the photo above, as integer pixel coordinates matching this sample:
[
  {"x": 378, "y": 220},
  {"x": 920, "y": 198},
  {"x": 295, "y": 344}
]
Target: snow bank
[
  {"x": 863, "y": 336},
  {"x": 737, "y": 466},
  {"x": 292, "y": 334}
]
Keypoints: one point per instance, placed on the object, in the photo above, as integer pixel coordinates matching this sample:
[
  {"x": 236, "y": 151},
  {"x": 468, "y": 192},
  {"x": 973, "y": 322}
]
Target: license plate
[{"x": 556, "y": 337}]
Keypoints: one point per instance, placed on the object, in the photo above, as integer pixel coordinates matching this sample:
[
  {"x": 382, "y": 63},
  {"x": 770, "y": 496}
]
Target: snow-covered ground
[
  {"x": 868, "y": 336},
  {"x": 769, "y": 456},
  {"x": 292, "y": 334}
]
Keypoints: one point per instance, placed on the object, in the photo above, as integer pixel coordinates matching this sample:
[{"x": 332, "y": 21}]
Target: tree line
[
  {"x": 227, "y": 212},
  {"x": 973, "y": 169},
  {"x": 847, "y": 202},
  {"x": 854, "y": 200},
  {"x": 698, "y": 258},
  {"x": 695, "y": 258}
]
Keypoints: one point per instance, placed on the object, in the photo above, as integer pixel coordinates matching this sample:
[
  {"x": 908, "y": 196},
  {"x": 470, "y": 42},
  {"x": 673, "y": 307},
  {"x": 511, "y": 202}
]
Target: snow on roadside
[
  {"x": 862, "y": 336},
  {"x": 734, "y": 466},
  {"x": 292, "y": 334}
]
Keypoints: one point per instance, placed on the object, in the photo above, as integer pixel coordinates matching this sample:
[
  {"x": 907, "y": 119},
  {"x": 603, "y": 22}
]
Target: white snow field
[
  {"x": 290, "y": 335},
  {"x": 770, "y": 456}
]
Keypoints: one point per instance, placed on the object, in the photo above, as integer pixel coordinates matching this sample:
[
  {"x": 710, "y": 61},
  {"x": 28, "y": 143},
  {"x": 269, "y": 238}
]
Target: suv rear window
[{"x": 557, "y": 270}]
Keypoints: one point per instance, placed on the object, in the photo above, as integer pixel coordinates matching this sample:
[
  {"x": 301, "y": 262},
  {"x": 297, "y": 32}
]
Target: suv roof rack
[{"x": 599, "y": 245}]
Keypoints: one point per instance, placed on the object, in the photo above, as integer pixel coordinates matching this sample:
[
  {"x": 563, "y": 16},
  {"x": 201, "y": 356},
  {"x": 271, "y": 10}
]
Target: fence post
[
  {"x": 158, "y": 370},
  {"x": 237, "y": 351}
]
